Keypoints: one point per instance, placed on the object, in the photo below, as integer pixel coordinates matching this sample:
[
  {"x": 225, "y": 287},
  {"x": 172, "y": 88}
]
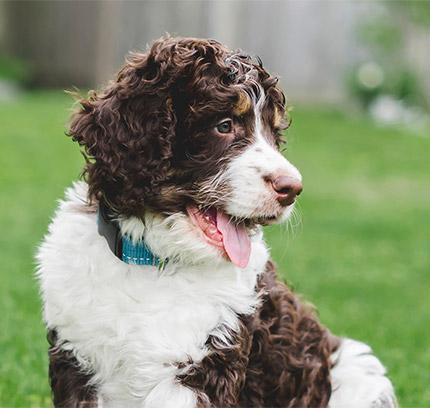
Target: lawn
[{"x": 360, "y": 252}]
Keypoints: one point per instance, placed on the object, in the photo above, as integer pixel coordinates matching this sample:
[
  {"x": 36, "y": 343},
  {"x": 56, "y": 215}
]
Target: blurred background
[{"x": 357, "y": 76}]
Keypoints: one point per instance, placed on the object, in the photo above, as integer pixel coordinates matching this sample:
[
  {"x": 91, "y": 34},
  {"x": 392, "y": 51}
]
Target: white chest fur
[{"x": 132, "y": 324}]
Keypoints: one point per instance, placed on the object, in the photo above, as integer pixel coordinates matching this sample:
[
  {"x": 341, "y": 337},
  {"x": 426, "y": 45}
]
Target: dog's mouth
[{"x": 222, "y": 231}]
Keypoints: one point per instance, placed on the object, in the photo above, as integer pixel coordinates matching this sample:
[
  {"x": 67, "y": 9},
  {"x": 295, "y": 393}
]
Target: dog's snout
[{"x": 287, "y": 189}]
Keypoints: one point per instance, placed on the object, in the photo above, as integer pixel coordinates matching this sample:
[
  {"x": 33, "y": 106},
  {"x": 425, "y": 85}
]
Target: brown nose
[{"x": 287, "y": 189}]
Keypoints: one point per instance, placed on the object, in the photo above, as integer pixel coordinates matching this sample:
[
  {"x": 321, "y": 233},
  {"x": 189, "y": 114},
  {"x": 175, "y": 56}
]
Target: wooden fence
[{"x": 310, "y": 44}]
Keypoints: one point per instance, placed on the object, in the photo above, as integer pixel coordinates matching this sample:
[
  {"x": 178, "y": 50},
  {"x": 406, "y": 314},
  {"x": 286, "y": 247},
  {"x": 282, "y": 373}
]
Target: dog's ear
[
  {"x": 127, "y": 133},
  {"x": 128, "y": 130}
]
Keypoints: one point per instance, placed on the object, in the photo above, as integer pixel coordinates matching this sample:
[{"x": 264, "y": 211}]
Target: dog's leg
[{"x": 359, "y": 379}]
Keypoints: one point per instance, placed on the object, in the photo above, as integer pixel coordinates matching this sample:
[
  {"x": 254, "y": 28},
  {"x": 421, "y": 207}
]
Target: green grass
[{"x": 360, "y": 253}]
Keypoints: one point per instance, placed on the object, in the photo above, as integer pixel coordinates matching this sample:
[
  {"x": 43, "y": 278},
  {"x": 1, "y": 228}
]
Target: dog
[{"x": 157, "y": 286}]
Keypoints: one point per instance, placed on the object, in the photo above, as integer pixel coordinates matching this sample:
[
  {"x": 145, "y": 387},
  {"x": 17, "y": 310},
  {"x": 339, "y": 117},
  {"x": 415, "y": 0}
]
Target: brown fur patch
[
  {"x": 221, "y": 376},
  {"x": 69, "y": 384},
  {"x": 279, "y": 358}
]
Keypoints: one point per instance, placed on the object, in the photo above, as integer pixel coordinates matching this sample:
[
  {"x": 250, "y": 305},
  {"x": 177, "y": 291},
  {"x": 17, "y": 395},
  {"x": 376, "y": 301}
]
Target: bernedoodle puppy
[{"x": 157, "y": 285}]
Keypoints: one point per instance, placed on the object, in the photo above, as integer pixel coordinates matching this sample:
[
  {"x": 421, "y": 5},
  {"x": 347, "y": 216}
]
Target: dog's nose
[{"x": 287, "y": 189}]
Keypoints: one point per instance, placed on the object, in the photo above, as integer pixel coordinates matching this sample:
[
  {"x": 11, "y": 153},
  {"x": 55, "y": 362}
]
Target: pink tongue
[{"x": 235, "y": 239}]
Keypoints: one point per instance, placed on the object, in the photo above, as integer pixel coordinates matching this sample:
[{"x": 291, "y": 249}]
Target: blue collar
[
  {"x": 122, "y": 246},
  {"x": 137, "y": 253}
]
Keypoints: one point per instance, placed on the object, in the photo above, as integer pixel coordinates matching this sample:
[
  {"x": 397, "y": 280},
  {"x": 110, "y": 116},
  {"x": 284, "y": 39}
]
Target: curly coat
[
  {"x": 149, "y": 144},
  {"x": 281, "y": 357}
]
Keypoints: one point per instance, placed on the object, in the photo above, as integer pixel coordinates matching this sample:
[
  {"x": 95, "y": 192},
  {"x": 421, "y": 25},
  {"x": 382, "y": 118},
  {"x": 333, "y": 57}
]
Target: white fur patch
[
  {"x": 358, "y": 379},
  {"x": 131, "y": 323}
]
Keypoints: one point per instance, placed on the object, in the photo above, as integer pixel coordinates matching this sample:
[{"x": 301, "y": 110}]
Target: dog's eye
[{"x": 226, "y": 126}]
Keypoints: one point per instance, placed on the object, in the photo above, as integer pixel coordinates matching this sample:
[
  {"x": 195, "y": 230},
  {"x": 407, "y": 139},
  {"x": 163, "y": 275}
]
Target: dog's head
[{"x": 191, "y": 128}]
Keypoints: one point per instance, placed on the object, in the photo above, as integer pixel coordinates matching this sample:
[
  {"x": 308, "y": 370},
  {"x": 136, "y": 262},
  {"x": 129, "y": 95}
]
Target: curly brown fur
[
  {"x": 69, "y": 384},
  {"x": 289, "y": 361},
  {"x": 220, "y": 377},
  {"x": 279, "y": 358}
]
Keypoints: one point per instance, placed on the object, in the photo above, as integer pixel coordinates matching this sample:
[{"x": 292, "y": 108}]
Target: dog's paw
[{"x": 359, "y": 379}]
